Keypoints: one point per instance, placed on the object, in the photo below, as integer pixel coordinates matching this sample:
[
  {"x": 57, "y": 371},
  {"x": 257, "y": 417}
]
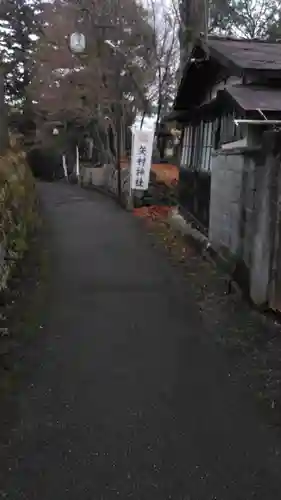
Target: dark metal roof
[
  {"x": 247, "y": 55},
  {"x": 252, "y": 97},
  {"x": 197, "y": 78},
  {"x": 205, "y": 111},
  {"x": 219, "y": 58},
  {"x": 178, "y": 116}
]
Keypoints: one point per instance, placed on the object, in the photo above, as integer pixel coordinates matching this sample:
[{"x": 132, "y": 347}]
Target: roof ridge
[{"x": 246, "y": 40}]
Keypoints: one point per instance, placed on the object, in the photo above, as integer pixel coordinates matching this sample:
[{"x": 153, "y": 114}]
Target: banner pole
[{"x": 130, "y": 204}]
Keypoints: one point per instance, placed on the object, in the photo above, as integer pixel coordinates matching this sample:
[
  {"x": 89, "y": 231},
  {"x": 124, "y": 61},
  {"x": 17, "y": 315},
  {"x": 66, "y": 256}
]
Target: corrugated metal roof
[
  {"x": 256, "y": 55},
  {"x": 253, "y": 97}
]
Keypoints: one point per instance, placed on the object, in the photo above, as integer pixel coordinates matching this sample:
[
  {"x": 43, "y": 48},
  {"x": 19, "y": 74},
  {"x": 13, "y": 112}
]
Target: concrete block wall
[
  {"x": 243, "y": 210},
  {"x": 225, "y": 206},
  {"x": 93, "y": 176},
  {"x": 261, "y": 242},
  {"x": 111, "y": 181},
  {"x": 239, "y": 216},
  {"x": 248, "y": 213},
  {"x": 106, "y": 177}
]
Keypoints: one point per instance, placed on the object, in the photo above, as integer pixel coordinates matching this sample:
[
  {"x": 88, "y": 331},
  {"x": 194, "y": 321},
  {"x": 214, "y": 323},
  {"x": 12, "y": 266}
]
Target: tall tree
[
  {"x": 193, "y": 22},
  {"x": 18, "y": 29},
  {"x": 113, "y": 73},
  {"x": 249, "y": 19},
  {"x": 165, "y": 23},
  {"x": 246, "y": 19}
]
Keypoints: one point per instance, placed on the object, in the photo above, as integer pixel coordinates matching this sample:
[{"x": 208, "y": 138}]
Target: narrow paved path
[{"x": 128, "y": 398}]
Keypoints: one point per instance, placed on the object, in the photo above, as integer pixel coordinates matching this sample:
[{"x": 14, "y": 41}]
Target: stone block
[
  {"x": 94, "y": 176},
  {"x": 226, "y": 186}
]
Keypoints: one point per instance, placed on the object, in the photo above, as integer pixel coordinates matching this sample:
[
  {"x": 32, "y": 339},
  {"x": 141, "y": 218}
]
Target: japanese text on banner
[{"x": 141, "y": 158}]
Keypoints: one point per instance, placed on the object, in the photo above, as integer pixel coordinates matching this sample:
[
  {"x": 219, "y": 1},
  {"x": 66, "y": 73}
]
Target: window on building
[
  {"x": 207, "y": 146},
  {"x": 226, "y": 130},
  {"x": 186, "y": 146},
  {"x": 197, "y": 146}
]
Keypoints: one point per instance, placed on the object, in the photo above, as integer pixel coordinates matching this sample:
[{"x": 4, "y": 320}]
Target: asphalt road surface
[{"x": 126, "y": 395}]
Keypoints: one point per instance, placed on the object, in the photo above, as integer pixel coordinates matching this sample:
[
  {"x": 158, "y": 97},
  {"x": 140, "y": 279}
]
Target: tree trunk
[
  {"x": 194, "y": 21},
  {"x": 4, "y": 132}
]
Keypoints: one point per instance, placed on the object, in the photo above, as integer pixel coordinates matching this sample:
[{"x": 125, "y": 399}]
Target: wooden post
[
  {"x": 118, "y": 152},
  {"x": 118, "y": 120},
  {"x": 130, "y": 203}
]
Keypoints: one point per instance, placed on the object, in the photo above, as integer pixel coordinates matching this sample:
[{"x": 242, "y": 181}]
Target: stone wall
[
  {"x": 251, "y": 181},
  {"x": 106, "y": 177},
  {"x": 111, "y": 179},
  {"x": 266, "y": 257},
  {"x": 244, "y": 208},
  {"x": 225, "y": 204},
  {"x": 93, "y": 176},
  {"x": 261, "y": 243}
]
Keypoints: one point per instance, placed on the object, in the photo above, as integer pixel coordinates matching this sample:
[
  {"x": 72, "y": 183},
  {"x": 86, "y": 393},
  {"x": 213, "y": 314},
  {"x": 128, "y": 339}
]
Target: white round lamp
[{"x": 77, "y": 43}]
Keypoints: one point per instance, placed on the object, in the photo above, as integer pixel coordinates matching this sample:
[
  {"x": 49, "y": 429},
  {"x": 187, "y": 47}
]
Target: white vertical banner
[
  {"x": 64, "y": 166},
  {"x": 142, "y": 147},
  {"x": 77, "y": 162},
  {"x": 130, "y": 173}
]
